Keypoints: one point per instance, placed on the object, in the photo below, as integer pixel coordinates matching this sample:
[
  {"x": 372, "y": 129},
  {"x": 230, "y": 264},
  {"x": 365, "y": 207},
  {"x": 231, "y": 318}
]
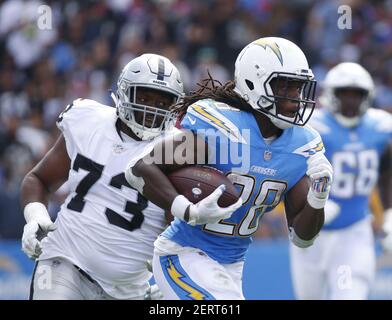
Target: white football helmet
[
  {"x": 147, "y": 71},
  {"x": 347, "y": 75},
  {"x": 269, "y": 58}
]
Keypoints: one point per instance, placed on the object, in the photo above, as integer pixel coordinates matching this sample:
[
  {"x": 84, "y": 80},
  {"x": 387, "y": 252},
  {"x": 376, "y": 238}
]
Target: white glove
[
  {"x": 320, "y": 173},
  {"x": 387, "y": 228},
  {"x": 38, "y": 225},
  {"x": 153, "y": 293},
  {"x": 205, "y": 211}
]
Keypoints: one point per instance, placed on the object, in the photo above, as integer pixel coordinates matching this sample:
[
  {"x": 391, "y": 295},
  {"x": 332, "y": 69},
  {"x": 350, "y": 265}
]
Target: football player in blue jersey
[
  {"x": 341, "y": 264},
  {"x": 260, "y": 117}
]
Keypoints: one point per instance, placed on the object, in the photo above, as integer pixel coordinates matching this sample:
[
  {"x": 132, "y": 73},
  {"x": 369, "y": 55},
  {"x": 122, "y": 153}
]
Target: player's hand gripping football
[
  {"x": 320, "y": 173},
  {"x": 38, "y": 224},
  {"x": 205, "y": 211}
]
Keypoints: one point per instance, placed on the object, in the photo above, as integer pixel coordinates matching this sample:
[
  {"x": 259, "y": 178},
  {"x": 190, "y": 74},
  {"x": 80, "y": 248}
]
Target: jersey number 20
[{"x": 268, "y": 195}]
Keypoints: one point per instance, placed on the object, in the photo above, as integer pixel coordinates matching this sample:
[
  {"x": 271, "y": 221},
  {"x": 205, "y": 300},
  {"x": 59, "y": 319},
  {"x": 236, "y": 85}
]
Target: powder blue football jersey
[
  {"x": 355, "y": 156},
  {"x": 262, "y": 172}
]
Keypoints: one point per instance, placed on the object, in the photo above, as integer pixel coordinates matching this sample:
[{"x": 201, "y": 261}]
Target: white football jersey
[{"x": 104, "y": 226}]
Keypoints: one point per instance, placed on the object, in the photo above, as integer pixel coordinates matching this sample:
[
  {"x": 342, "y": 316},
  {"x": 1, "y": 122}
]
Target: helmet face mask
[
  {"x": 350, "y": 101},
  {"x": 146, "y": 116},
  {"x": 147, "y": 87},
  {"x": 279, "y": 91},
  {"x": 257, "y": 67}
]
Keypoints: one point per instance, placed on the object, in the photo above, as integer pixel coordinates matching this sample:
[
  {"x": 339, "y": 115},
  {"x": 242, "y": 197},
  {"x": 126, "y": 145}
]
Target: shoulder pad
[
  {"x": 79, "y": 107},
  {"x": 224, "y": 106},
  {"x": 382, "y": 119},
  {"x": 80, "y": 120},
  {"x": 207, "y": 112},
  {"x": 312, "y": 143},
  {"x": 80, "y": 103}
]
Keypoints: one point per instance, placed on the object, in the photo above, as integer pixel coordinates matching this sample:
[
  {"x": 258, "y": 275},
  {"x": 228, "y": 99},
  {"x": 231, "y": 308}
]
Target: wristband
[
  {"x": 35, "y": 211},
  {"x": 315, "y": 202},
  {"x": 179, "y": 207}
]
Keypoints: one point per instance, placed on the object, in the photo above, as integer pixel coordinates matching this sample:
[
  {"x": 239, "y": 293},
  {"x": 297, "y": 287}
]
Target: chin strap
[{"x": 277, "y": 121}]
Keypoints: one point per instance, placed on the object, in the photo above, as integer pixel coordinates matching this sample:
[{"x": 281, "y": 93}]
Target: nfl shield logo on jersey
[
  {"x": 267, "y": 155},
  {"x": 118, "y": 148}
]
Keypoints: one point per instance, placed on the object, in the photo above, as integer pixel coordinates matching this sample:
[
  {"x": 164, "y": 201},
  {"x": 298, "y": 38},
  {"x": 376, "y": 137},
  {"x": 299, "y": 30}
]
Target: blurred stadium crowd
[{"x": 41, "y": 71}]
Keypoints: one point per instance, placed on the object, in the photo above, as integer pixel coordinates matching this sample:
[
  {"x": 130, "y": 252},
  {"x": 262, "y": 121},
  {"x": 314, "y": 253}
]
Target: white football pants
[
  {"x": 340, "y": 265},
  {"x": 190, "y": 274},
  {"x": 59, "y": 279}
]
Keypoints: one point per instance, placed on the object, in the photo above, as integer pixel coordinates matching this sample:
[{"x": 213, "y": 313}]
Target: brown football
[{"x": 197, "y": 182}]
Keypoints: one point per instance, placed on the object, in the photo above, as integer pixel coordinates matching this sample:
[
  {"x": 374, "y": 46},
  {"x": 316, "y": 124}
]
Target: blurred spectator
[
  {"x": 24, "y": 40},
  {"x": 207, "y": 62},
  {"x": 171, "y": 51}
]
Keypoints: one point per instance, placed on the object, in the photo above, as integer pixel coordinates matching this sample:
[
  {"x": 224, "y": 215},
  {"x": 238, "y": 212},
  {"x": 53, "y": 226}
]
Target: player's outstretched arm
[
  {"x": 305, "y": 202},
  {"x": 148, "y": 176},
  {"x": 49, "y": 174}
]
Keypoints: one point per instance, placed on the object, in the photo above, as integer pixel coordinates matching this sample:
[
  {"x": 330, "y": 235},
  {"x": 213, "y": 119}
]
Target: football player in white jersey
[
  {"x": 104, "y": 232},
  {"x": 357, "y": 138}
]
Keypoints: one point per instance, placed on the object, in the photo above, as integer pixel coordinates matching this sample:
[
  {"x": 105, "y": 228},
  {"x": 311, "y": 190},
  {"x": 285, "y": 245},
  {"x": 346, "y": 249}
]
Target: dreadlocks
[{"x": 210, "y": 88}]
